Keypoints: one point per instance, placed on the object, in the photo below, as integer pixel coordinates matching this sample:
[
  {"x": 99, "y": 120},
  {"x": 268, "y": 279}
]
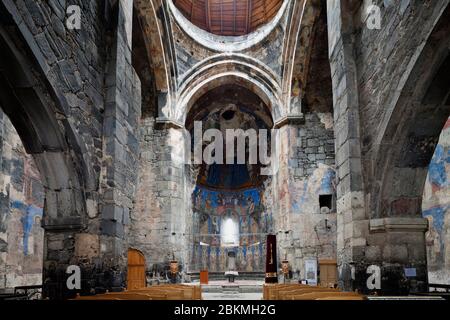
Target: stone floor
[
  {"x": 239, "y": 290},
  {"x": 232, "y": 296}
]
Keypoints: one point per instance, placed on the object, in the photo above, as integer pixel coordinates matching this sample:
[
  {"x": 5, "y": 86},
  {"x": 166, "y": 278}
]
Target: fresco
[
  {"x": 211, "y": 208},
  {"x": 28, "y": 219},
  {"x": 21, "y": 209},
  {"x": 436, "y": 208},
  {"x": 305, "y": 193}
]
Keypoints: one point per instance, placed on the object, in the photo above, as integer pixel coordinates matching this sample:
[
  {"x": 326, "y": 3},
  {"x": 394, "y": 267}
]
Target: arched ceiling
[
  {"x": 230, "y": 107},
  {"x": 229, "y": 17}
]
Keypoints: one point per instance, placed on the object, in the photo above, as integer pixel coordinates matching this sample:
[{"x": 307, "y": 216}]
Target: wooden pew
[
  {"x": 163, "y": 292},
  {"x": 283, "y": 295},
  {"x": 124, "y": 296},
  {"x": 179, "y": 292},
  {"x": 168, "y": 293},
  {"x": 361, "y": 298},
  {"x": 270, "y": 290},
  {"x": 190, "y": 292},
  {"x": 322, "y": 295}
]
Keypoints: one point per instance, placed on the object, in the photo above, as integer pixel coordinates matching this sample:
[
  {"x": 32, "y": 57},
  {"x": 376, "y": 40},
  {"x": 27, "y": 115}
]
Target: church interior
[{"x": 224, "y": 149}]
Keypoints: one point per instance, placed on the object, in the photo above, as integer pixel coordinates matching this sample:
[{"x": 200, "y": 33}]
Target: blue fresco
[
  {"x": 214, "y": 199},
  {"x": 228, "y": 176},
  {"x": 211, "y": 208},
  {"x": 327, "y": 184},
  {"x": 438, "y": 214},
  {"x": 436, "y": 172},
  {"x": 30, "y": 212}
]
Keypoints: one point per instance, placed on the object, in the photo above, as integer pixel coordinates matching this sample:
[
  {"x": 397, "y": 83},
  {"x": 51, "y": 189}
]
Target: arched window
[{"x": 229, "y": 232}]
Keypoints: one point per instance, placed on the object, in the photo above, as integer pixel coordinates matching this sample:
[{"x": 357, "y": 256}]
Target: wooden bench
[
  {"x": 360, "y": 298},
  {"x": 190, "y": 292},
  {"x": 124, "y": 296},
  {"x": 325, "y": 295},
  {"x": 162, "y": 292},
  {"x": 171, "y": 293},
  {"x": 283, "y": 295},
  {"x": 270, "y": 290}
]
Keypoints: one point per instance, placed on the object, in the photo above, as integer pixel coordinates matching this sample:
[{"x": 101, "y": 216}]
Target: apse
[{"x": 229, "y": 215}]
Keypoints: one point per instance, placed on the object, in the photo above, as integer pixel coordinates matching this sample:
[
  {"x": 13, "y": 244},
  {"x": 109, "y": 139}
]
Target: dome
[{"x": 229, "y": 17}]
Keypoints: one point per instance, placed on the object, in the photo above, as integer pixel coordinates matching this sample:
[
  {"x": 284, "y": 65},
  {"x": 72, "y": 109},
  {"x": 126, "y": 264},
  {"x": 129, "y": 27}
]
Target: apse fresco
[
  {"x": 211, "y": 209},
  {"x": 436, "y": 208}
]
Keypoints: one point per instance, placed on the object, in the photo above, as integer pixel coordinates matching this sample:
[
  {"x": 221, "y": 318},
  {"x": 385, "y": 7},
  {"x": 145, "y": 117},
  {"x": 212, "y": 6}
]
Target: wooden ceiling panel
[{"x": 229, "y": 17}]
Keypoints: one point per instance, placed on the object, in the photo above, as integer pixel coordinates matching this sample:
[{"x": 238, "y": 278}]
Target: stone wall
[
  {"x": 21, "y": 210},
  {"x": 306, "y": 230},
  {"x": 84, "y": 133},
  {"x": 76, "y": 104},
  {"x": 381, "y": 168},
  {"x": 161, "y": 216}
]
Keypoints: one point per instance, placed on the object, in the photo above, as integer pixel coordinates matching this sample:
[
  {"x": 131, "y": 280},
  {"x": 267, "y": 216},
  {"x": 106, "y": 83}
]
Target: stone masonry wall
[
  {"x": 96, "y": 96},
  {"x": 307, "y": 231},
  {"x": 162, "y": 214},
  {"x": 369, "y": 70}
]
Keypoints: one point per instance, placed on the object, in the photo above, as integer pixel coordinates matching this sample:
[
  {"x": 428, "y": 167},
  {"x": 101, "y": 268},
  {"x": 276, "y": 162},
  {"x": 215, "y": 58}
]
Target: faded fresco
[
  {"x": 212, "y": 209},
  {"x": 21, "y": 210},
  {"x": 436, "y": 208}
]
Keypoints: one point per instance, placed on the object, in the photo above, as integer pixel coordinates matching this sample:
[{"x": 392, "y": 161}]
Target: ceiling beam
[
  {"x": 249, "y": 16},
  {"x": 265, "y": 10},
  {"x": 192, "y": 10},
  {"x": 208, "y": 15},
  {"x": 234, "y": 20},
  {"x": 221, "y": 16}
]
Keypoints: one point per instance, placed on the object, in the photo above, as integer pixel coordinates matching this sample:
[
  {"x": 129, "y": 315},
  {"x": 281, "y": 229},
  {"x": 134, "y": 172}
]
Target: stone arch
[
  {"x": 216, "y": 72},
  {"x": 239, "y": 199},
  {"x": 298, "y": 47},
  {"x": 408, "y": 141},
  {"x": 156, "y": 28},
  {"x": 48, "y": 134}
]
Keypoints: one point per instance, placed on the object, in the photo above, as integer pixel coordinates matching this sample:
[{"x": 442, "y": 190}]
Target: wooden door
[
  {"x": 136, "y": 270},
  {"x": 328, "y": 273}
]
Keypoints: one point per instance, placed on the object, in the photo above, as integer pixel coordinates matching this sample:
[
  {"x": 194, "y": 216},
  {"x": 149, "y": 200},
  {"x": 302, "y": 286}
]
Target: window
[
  {"x": 229, "y": 233},
  {"x": 326, "y": 201}
]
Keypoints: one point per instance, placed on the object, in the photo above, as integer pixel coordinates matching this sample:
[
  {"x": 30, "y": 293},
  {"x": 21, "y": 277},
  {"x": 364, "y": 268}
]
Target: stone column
[
  {"x": 282, "y": 182},
  {"x": 352, "y": 222},
  {"x": 387, "y": 254},
  {"x": 160, "y": 220},
  {"x": 121, "y": 151}
]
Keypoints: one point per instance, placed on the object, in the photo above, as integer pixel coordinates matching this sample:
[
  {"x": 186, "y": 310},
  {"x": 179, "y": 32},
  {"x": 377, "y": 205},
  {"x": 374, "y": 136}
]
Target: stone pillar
[
  {"x": 391, "y": 249},
  {"x": 160, "y": 220},
  {"x": 289, "y": 141},
  {"x": 352, "y": 222},
  {"x": 121, "y": 151}
]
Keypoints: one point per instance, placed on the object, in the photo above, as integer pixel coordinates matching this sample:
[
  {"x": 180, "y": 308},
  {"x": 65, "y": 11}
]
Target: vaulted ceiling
[{"x": 229, "y": 17}]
